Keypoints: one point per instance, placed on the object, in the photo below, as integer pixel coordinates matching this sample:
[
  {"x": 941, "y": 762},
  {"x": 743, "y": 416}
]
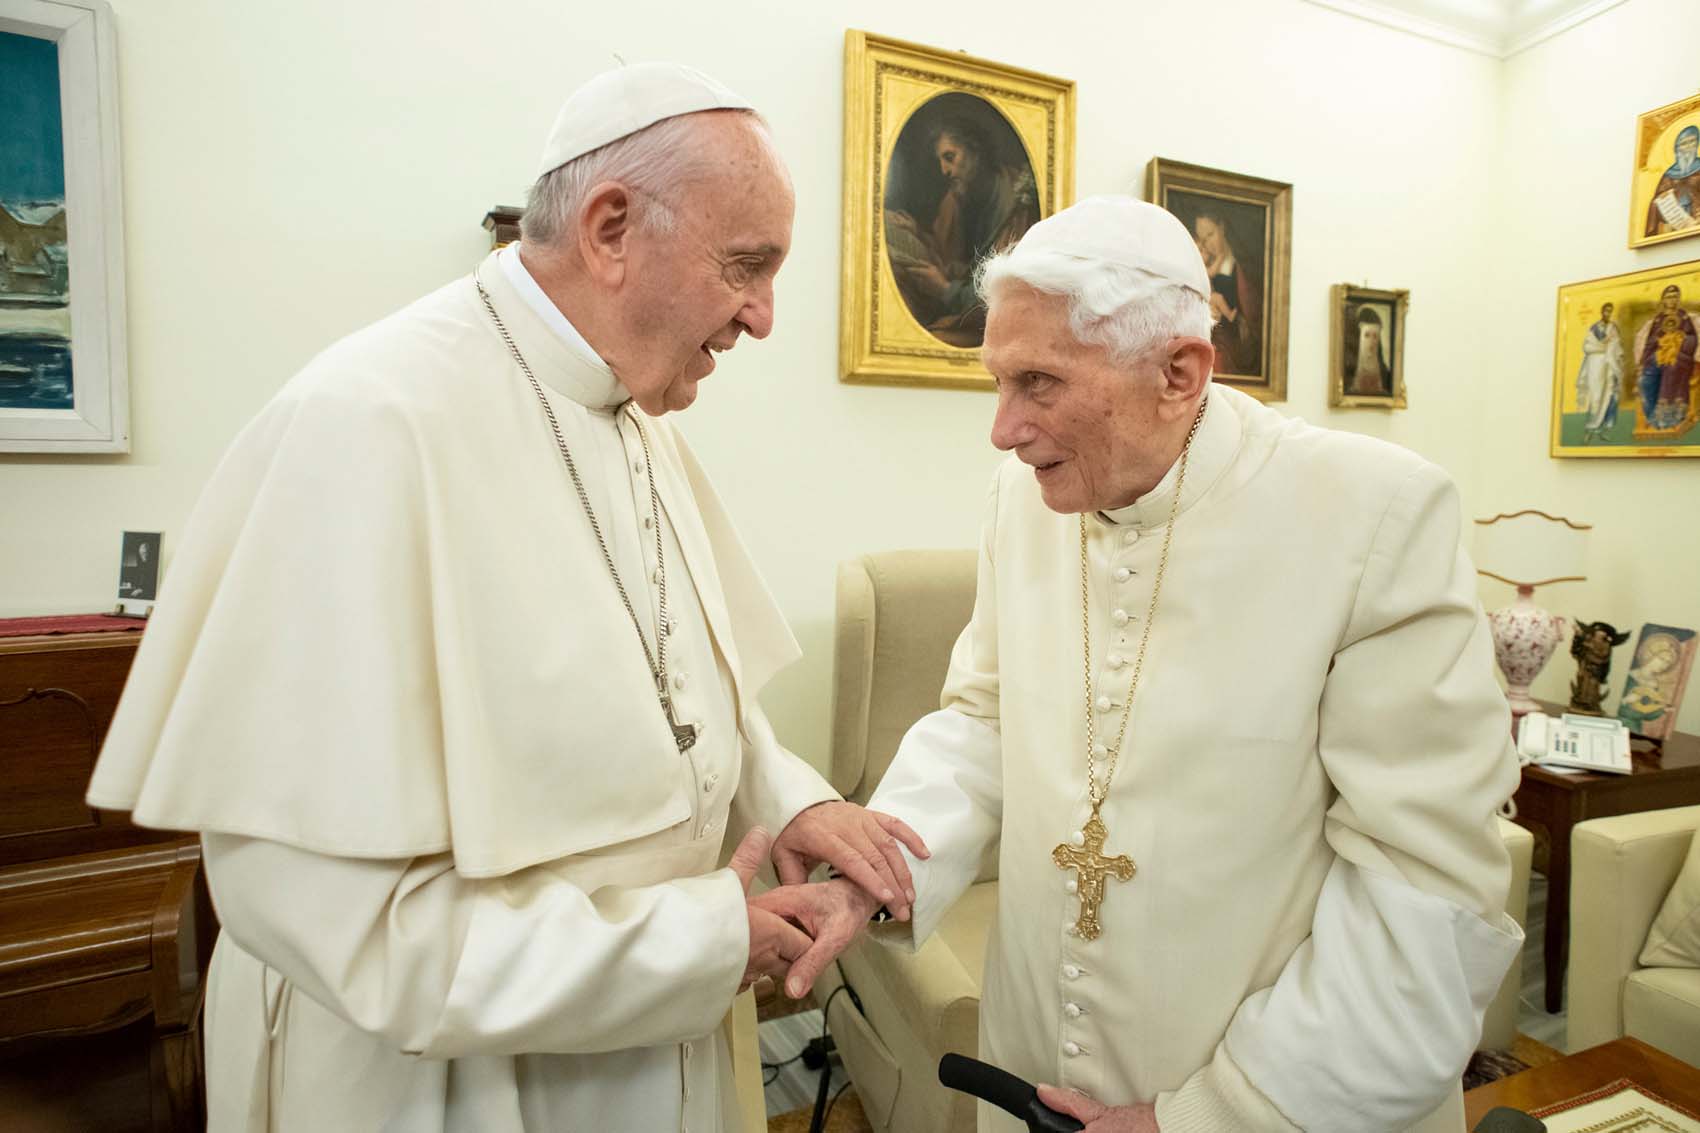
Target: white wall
[
  {"x": 1563, "y": 217},
  {"x": 294, "y": 171}
]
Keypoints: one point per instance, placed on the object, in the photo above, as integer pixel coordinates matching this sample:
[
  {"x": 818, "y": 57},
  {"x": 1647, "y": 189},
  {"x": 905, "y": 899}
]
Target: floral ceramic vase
[{"x": 1524, "y": 637}]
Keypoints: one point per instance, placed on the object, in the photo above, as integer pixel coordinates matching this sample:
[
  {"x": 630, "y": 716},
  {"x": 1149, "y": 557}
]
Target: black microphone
[
  {"x": 1006, "y": 1091},
  {"x": 1502, "y": 1120}
]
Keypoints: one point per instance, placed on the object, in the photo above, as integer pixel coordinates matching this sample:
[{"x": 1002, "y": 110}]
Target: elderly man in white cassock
[
  {"x": 457, "y": 671},
  {"x": 1226, "y": 706}
]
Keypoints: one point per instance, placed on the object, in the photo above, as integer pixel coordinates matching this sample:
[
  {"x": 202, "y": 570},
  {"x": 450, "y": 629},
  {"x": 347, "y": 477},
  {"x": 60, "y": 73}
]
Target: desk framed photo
[
  {"x": 947, "y": 159},
  {"x": 1244, "y": 230},
  {"x": 64, "y": 383}
]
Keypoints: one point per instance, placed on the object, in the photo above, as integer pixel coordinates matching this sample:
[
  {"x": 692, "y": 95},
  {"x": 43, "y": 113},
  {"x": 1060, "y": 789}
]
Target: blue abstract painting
[{"x": 35, "y": 280}]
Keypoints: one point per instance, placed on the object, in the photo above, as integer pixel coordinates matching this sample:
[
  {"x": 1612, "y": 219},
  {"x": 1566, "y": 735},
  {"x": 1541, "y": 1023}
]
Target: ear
[
  {"x": 1186, "y": 369},
  {"x": 604, "y": 230}
]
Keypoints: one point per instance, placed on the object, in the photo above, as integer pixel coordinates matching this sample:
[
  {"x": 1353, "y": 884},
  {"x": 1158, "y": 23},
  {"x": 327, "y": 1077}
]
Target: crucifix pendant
[
  {"x": 684, "y": 735},
  {"x": 1091, "y": 866}
]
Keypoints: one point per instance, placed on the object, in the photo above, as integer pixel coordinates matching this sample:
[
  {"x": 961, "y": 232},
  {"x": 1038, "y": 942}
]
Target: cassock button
[
  {"x": 1078, "y": 838},
  {"x": 1104, "y": 704},
  {"x": 1115, "y": 660},
  {"x": 1073, "y": 885},
  {"x": 687, "y": 1052},
  {"x": 656, "y": 576},
  {"x": 679, "y": 680},
  {"x": 1129, "y": 537},
  {"x": 1071, "y": 1048},
  {"x": 637, "y": 466},
  {"x": 1072, "y": 1010},
  {"x": 1099, "y": 751},
  {"x": 1119, "y": 617},
  {"x": 1072, "y": 930},
  {"x": 708, "y": 783},
  {"x": 1123, "y": 574},
  {"x": 1071, "y": 971},
  {"x": 648, "y": 522},
  {"x": 701, "y": 728}
]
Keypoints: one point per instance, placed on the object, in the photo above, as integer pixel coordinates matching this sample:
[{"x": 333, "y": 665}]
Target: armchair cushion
[
  {"x": 1674, "y": 940},
  {"x": 1661, "y": 1006}
]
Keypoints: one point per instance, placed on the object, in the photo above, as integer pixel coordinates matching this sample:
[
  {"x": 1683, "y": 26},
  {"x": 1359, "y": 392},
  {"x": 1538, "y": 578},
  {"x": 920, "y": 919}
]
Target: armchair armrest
[{"x": 1621, "y": 869}]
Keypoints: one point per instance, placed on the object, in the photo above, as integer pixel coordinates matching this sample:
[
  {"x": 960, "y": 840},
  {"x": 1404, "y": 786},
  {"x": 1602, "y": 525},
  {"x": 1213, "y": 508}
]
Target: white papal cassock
[
  {"x": 1316, "y": 752},
  {"x": 467, "y": 880}
]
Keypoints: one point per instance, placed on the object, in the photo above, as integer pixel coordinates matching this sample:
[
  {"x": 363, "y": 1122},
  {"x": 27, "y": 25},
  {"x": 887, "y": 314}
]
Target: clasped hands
[{"x": 799, "y": 928}]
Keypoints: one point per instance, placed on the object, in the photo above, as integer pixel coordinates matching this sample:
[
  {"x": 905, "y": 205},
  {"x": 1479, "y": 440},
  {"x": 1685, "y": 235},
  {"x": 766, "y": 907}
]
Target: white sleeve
[
  {"x": 946, "y": 780},
  {"x": 445, "y": 966},
  {"x": 774, "y": 784},
  {"x": 1373, "y": 1018}
]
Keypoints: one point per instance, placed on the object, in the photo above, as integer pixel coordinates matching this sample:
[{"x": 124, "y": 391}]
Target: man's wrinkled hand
[
  {"x": 1098, "y": 1117},
  {"x": 860, "y": 844},
  {"x": 775, "y": 943},
  {"x": 832, "y": 912}
]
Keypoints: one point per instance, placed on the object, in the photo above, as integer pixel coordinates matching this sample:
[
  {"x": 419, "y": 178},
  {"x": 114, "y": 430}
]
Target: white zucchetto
[
  {"x": 624, "y": 101},
  {"x": 1126, "y": 232}
]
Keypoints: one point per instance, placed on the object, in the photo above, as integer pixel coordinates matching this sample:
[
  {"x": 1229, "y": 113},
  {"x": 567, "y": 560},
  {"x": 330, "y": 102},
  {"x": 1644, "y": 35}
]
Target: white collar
[
  {"x": 1227, "y": 266},
  {"x": 535, "y": 298},
  {"x": 1213, "y": 449}
]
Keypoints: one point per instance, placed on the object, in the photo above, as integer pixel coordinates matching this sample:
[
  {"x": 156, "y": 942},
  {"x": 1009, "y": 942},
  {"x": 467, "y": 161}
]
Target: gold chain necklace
[
  {"x": 684, "y": 735},
  {"x": 1085, "y": 852}
]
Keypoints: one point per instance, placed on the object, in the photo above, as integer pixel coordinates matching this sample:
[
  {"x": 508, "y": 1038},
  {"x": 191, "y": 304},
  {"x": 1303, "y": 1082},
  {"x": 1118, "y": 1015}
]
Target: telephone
[{"x": 1585, "y": 743}]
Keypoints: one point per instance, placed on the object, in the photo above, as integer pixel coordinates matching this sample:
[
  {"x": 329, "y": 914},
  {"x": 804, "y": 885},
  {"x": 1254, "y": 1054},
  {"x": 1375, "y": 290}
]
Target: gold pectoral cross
[{"x": 1091, "y": 867}]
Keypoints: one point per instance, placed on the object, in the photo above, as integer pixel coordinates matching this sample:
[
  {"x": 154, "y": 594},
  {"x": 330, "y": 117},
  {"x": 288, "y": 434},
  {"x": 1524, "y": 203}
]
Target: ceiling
[{"x": 1500, "y": 28}]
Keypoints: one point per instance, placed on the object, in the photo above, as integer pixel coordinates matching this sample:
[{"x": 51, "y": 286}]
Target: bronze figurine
[{"x": 1592, "y": 646}]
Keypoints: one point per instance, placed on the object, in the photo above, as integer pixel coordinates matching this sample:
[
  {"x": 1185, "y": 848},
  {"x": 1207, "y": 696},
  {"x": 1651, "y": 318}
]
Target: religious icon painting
[
  {"x": 1244, "y": 230},
  {"x": 63, "y": 385},
  {"x": 1664, "y": 200},
  {"x": 1624, "y": 380},
  {"x": 1658, "y": 674},
  {"x": 1366, "y": 367},
  {"x": 947, "y": 159}
]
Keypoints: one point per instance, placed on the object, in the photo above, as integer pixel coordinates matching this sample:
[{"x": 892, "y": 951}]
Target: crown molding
[{"x": 1495, "y": 28}]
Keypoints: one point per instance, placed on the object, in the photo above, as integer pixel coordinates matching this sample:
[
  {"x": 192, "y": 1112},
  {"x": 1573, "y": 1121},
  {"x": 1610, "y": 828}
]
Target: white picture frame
[{"x": 98, "y": 420}]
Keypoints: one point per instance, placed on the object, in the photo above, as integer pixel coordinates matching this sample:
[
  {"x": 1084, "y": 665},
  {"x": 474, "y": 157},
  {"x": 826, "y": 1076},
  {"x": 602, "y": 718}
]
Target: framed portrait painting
[
  {"x": 1664, "y": 199},
  {"x": 1624, "y": 380},
  {"x": 1366, "y": 366},
  {"x": 63, "y": 378},
  {"x": 947, "y": 159},
  {"x": 1244, "y": 230}
]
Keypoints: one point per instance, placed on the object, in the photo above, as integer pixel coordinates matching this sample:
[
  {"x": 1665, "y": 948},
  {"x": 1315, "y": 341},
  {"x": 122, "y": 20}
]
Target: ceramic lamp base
[{"x": 1524, "y": 637}]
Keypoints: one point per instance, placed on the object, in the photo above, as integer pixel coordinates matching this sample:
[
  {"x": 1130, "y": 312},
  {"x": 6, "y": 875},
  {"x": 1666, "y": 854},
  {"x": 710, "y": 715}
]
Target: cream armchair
[
  {"x": 1620, "y": 871},
  {"x": 899, "y": 613}
]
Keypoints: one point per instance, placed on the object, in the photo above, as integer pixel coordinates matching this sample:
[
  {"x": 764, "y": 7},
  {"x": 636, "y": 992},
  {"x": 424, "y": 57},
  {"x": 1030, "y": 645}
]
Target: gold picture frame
[
  {"x": 1248, "y": 224},
  {"x": 1366, "y": 358},
  {"x": 1626, "y": 379},
  {"x": 922, "y": 205},
  {"x": 1664, "y": 192}
]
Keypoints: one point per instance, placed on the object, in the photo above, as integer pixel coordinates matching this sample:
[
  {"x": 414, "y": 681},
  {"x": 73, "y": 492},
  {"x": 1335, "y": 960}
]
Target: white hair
[
  {"x": 1108, "y": 305},
  {"x": 655, "y": 162}
]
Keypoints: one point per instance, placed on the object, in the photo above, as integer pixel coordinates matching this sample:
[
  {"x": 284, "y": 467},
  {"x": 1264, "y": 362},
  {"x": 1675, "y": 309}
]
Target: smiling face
[
  {"x": 1092, "y": 429},
  {"x": 695, "y": 289}
]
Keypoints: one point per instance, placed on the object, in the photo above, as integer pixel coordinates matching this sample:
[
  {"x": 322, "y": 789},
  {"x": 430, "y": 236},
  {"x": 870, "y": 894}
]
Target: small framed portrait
[
  {"x": 1367, "y": 359},
  {"x": 947, "y": 159},
  {"x": 1664, "y": 199},
  {"x": 138, "y": 571},
  {"x": 1623, "y": 381},
  {"x": 1244, "y": 230}
]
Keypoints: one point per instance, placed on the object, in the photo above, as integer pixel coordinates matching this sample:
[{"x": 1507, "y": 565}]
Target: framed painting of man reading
[
  {"x": 947, "y": 160},
  {"x": 1243, "y": 227},
  {"x": 1624, "y": 365},
  {"x": 1367, "y": 358},
  {"x": 1665, "y": 191}
]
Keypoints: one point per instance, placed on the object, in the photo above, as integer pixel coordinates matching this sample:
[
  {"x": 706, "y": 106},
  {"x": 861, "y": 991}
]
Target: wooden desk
[
  {"x": 1651, "y": 1069},
  {"x": 1550, "y": 804}
]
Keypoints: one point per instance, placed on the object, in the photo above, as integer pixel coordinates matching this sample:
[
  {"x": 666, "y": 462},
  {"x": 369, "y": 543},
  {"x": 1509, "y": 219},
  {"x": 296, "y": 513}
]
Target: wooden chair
[{"x": 102, "y": 924}]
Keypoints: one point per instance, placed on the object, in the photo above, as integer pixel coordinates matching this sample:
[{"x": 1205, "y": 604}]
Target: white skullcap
[
  {"x": 1123, "y": 231},
  {"x": 624, "y": 101}
]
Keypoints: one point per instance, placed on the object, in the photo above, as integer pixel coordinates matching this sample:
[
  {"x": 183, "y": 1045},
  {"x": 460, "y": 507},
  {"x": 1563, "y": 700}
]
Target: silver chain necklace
[{"x": 684, "y": 735}]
